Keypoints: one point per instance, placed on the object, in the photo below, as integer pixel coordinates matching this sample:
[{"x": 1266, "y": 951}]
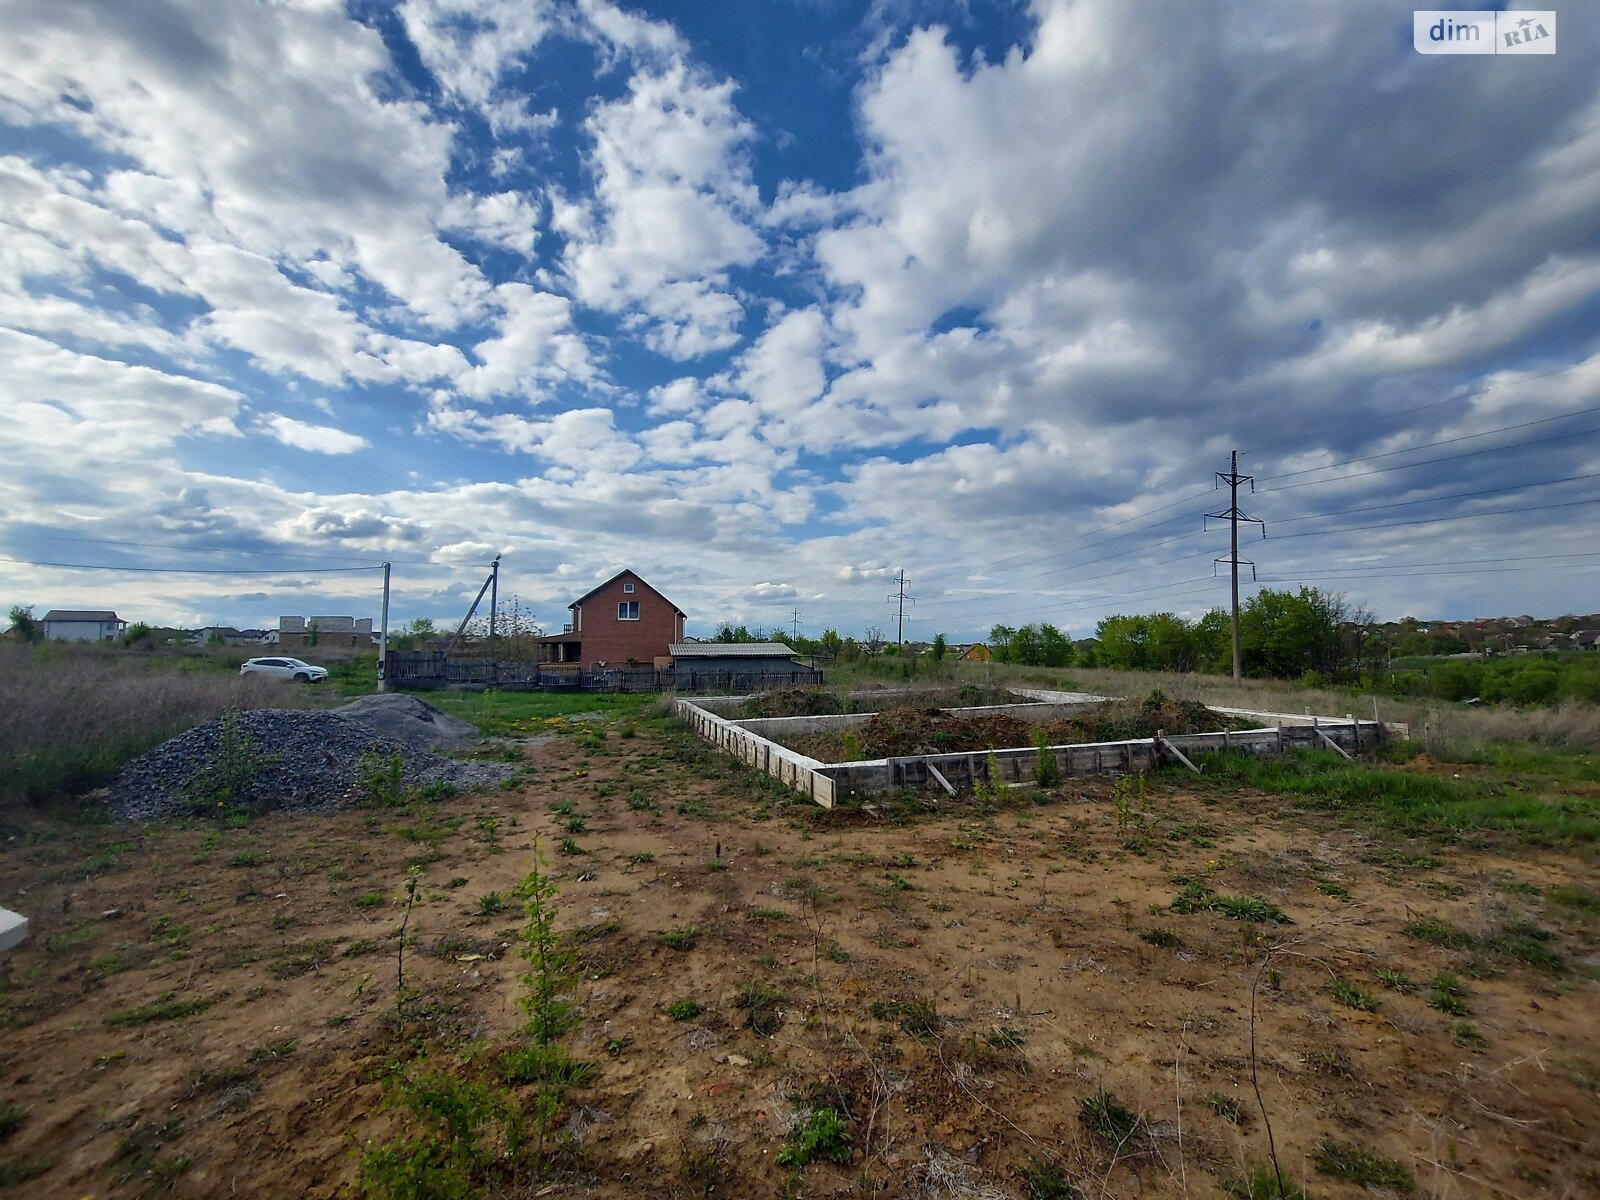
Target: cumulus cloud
[{"x": 319, "y": 439}]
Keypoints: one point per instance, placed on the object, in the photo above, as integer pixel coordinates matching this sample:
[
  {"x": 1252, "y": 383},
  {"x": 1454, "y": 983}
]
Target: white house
[{"x": 81, "y": 625}]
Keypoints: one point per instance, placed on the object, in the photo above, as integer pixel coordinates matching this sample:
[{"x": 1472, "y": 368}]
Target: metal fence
[{"x": 423, "y": 669}]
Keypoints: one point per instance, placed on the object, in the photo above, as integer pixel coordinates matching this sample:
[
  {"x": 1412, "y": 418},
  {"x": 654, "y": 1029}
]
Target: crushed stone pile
[
  {"x": 297, "y": 760},
  {"x": 409, "y": 720}
]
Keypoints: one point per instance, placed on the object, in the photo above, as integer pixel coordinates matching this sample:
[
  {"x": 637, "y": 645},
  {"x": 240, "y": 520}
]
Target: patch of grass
[
  {"x": 13, "y": 1174},
  {"x": 490, "y": 903},
  {"x": 1438, "y": 932},
  {"x": 1356, "y": 1165},
  {"x": 641, "y": 858},
  {"x": 716, "y": 864},
  {"x": 1570, "y": 895},
  {"x": 523, "y": 714},
  {"x": 1526, "y": 944},
  {"x": 1197, "y": 897},
  {"x": 1261, "y": 1182},
  {"x": 570, "y": 846},
  {"x": 1105, "y": 1116},
  {"x": 1448, "y": 994},
  {"x": 684, "y": 1010},
  {"x": 271, "y": 1052},
  {"x": 1164, "y": 938},
  {"x": 770, "y": 914},
  {"x": 917, "y": 1015},
  {"x": 249, "y": 858},
  {"x": 1045, "y": 1180},
  {"x": 1409, "y": 801},
  {"x": 1337, "y": 890},
  {"x": 1225, "y": 1107},
  {"x": 1003, "y": 1037},
  {"x": 550, "y": 1065},
  {"x": 1395, "y": 981},
  {"x": 12, "y": 1115},
  {"x": 1352, "y": 995},
  {"x": 682, "y": 938},
  {"x": 1465, "y": 1034},
  {"x": 370, "y": 900},
  {"x": 163, "y": 1008},
  {"x": 760, "y": 1002}
]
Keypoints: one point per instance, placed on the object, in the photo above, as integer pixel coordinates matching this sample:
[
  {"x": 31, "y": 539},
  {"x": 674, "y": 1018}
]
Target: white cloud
[{"x": 320, "y": 439}]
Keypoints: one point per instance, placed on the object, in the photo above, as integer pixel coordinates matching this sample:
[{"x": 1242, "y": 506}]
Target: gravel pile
[
  {"x": 302, "y": 760},
  {"x": 410, "y": 720}
]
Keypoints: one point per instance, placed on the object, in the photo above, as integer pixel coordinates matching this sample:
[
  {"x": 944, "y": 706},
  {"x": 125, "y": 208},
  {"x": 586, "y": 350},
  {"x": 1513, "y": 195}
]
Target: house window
[
  {"x": 627, "y": 610},
  {"x": 628, "y": 588}
]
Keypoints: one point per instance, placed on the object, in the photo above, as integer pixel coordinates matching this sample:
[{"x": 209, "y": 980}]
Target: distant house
[
  {"x": 219, "y": 635},
  {"x": 977, "y": 652},
  {"x": 303, "y": 633},
  {"x": 1589, "y": 639},
  {"x": 81, "y": 625},
  {"x": 622, "y": 621},
  {"x": 737, "y": 664}
]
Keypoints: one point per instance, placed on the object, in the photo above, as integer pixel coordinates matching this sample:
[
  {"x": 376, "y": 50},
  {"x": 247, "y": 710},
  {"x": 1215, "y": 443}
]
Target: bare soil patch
[{"x": 978, "y": 992}]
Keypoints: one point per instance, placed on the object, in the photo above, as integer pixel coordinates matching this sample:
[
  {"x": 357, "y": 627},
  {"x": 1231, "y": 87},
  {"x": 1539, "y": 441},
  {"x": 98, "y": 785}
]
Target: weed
[
  {"x": 821, "y": 1137},
  {"x": 760, "y": 1002},
  {"x": 1527, "y": 944},
  {"x": 570, "y": 846},
  {"x": 1570, "y": 895},
  {"x": 898, "y": 883},
  {"x": 163, "y": 1008},
  {"x": 12, "y": 1115},
  {"x": 1046, "y": 770},
  {"x": 381, "y": 779},
  {"x": 1197, "y": 897},
  {"x": 370, "y": 900},
  {"x": 271, "y": 1052},
  {"x": 1362, "y": 1166},
  {"x": 1262, "y": 1182},
  {"x": 1046, "y": 1180},
  {"x": 684, "y": 1010},
  {"x": 1465, "y": 1034},
  {"x": 1164, "y": 938},
  {"x": 1225, "y": 1107},
  {"x": 1103, "y": 1115},
  {"x": 550, "y": 1066},
  {"x": 716, "y": 864},
  {"x": 551, "y": 963},
  {"x": 639, "y": 800},
  {"x": 490, "y": 903},
  {"x": 682, "y": 938},
  {"x": 249, "y": 858},
  {"x": 225, "y": 780},
  {"x": 1352, "y": 995},
  {"x": 1448, "y": 994},
  {"x": 576, "y": 824},
  {"x": 1395, "y": 981},
  {"x": 1337, "y": 890},
  {"x": 1437, "y": 932},
  {"x": 770, "y": 914},
  {"x": 1002, "y": 1037}
]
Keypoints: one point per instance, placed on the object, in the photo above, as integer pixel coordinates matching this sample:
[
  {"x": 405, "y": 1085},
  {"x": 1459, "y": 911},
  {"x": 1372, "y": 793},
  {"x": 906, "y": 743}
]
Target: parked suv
[{"x": 285, "y": 668}]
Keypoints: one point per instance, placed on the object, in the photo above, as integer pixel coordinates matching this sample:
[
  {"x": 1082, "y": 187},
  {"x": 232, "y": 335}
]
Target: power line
[
  {"x": 1427, "y": 462},
  {"x": 1498, "y": 512},
  {"x": 1405, "y": 412},
  {"x": 1466, "y": 437},
  {"x": 28, "y": 562},
  {"x": 1515, "y": 487}
]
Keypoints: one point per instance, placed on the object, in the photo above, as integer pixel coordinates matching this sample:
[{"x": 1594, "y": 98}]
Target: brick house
[{"x": 624, "y": 620}]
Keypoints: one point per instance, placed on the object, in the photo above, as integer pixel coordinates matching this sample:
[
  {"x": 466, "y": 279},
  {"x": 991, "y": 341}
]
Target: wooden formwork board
[
  {"x": 793, "y": 770},
  {"x": 822, "y": 781}
]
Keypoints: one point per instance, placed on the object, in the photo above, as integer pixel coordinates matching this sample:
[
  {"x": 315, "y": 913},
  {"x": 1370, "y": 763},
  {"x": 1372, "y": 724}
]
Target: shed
[{"x": 737, "y": 665}]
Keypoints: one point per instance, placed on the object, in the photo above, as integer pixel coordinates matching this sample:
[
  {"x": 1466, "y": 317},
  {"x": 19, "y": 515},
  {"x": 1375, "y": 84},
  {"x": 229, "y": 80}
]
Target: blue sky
[{"x": 768, "y": 301}]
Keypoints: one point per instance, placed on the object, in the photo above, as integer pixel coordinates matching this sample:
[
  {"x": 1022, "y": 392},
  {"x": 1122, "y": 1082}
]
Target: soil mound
[
  {"x": 410, "y": 720},
  {"x": 793, "y": 702},
  {"x": 271, "y": 758}
]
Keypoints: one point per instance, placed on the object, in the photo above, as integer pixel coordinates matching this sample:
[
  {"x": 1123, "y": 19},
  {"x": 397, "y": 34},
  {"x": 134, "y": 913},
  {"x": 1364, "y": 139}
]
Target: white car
[{"x": 285, "y": 668}]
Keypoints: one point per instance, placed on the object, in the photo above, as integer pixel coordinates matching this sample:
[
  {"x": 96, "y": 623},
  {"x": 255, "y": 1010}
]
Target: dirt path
[{"x": 204, "y": 1011}]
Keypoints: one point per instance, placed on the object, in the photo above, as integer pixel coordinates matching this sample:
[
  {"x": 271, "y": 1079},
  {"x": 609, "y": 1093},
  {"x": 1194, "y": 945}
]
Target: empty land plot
[{"x": 1039, "y": 989}]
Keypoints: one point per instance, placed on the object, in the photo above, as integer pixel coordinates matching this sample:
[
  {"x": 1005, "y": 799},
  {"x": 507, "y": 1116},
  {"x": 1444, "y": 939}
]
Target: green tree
[
  {"x": 937, "y": 650},
  {"x": 1055, "y": 647},
  {"x": 24, "y": 625}
]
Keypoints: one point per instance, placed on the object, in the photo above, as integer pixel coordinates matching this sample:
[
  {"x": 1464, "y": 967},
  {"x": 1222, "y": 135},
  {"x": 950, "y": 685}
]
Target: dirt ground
[
  {"x": 205, "y": 1011},
  {"x": 910, "y": 729}
]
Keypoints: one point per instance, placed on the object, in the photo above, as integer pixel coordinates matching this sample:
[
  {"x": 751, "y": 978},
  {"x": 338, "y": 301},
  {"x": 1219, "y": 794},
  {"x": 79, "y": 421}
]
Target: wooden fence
[{"x": 423, "y": 669}]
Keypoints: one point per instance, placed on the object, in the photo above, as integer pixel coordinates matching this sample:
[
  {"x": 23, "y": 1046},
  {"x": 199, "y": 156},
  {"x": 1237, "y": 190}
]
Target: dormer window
[{"x": 627, "y": 610}]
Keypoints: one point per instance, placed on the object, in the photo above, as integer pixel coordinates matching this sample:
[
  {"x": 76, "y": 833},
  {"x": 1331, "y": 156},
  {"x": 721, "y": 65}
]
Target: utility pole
[
  {"x": 494, "y": 602},
  {"x": 1233, "y": 516},
  {"x": 383, "y": 636},
  {"x": 900, "y": 596},
  {"x": 794, "y": 629}
]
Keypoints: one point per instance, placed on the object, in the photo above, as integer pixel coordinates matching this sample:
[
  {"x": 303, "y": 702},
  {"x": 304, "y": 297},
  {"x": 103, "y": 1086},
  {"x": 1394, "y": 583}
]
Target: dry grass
[{"x": 69, "y": 718}]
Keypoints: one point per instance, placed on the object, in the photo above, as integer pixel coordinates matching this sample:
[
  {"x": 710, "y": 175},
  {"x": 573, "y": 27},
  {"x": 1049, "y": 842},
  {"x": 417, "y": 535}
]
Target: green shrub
[{"x": 821, "y": 1137}]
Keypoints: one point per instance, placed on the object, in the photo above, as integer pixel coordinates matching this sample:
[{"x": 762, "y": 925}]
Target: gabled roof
[
  {"x": 619, "y": 575},
  {"x": 80, "y": 614},
  {"x": 729, "y": 650}
]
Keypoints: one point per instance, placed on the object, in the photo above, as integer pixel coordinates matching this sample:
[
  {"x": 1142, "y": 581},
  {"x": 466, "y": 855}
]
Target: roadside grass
[
  {"x": 71, "y": 717},
  {"x": 520, "y": 714},
  {"x": 1418, "y": 804}
]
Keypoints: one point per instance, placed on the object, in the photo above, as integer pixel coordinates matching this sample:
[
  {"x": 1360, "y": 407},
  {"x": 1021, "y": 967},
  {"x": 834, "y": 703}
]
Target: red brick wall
[{"x": 608, "y": 640}]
